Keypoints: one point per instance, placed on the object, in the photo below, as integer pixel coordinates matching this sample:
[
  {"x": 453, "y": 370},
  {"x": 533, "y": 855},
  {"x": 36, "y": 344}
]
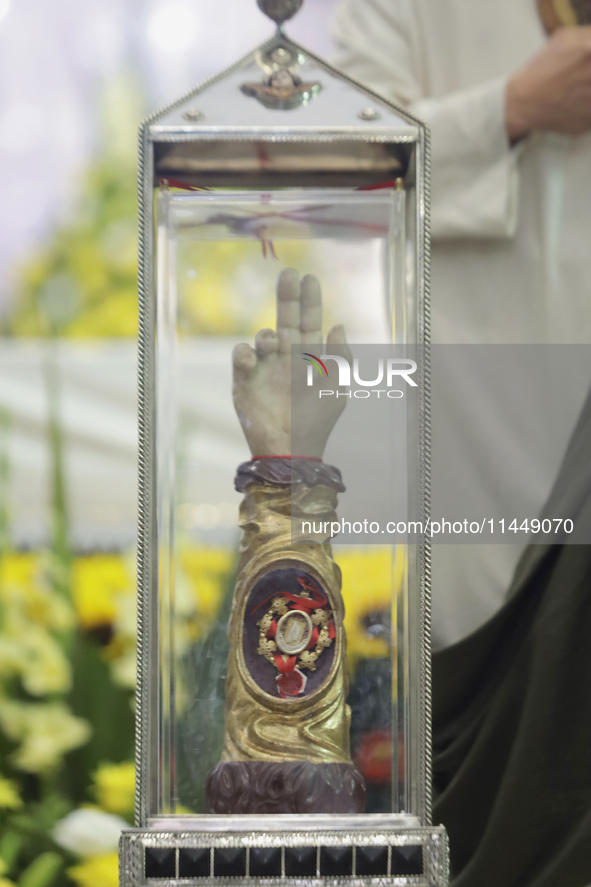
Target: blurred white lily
[{"x": 89, "y": 831}]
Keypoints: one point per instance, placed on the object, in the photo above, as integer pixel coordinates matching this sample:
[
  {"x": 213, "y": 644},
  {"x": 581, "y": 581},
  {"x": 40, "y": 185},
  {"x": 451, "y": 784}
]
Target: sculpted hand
[
  {"x": 262, "y": 390},
  {"x": 553, "y": 91}
]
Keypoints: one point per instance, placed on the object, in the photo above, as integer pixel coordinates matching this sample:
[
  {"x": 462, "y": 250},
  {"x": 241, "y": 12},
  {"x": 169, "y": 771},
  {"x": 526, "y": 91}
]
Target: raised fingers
[
  {"x": 288, "y": 310},
  {"x": 266, "y": 342},
  {"x": 311, "y": 311},
  {"x": 244, "y": 359}
]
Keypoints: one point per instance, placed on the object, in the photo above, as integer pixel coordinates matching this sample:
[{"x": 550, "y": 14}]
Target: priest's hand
[
  {"x": 553, "y": 91},
  {"x": 263, "y": 395}
]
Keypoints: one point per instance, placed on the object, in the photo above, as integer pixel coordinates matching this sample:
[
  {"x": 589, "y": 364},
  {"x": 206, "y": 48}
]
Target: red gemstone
[{"x": 291, "y": 684}]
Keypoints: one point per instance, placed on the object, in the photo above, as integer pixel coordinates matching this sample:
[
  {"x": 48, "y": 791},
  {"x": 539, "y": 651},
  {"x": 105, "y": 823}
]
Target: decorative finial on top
[{"x": 279, "y": 10}]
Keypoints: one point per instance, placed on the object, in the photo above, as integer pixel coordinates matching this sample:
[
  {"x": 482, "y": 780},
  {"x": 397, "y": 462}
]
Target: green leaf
[
  {"x": 107, "y": 708},
  {"x": 42, "y": 872},
  {"x": 11, "y": 845}
]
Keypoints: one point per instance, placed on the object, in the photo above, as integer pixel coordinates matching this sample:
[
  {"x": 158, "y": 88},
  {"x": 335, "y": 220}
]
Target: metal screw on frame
[
  {"x": 369, "y": 114},
  {"x": 193, "y": 115}
]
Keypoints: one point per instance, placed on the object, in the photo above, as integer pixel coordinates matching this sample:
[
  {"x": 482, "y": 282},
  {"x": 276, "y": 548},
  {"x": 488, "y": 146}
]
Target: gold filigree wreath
[{"x": 321, "y": 618}]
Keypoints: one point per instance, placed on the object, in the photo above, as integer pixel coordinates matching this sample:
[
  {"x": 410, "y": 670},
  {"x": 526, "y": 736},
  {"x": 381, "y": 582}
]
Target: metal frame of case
[{"x": 389, "y": 829}]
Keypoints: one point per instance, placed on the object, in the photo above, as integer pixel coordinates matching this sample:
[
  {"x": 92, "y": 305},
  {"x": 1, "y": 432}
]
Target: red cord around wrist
[{"x": 311, "y": 458}]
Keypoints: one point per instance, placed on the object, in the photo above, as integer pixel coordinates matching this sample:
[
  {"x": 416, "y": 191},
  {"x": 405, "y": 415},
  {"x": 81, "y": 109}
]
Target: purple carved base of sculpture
[{"x": 288, "y": 787}]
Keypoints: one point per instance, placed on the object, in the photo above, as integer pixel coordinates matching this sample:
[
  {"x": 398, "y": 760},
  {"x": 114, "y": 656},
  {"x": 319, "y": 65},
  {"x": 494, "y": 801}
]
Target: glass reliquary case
[{"x": 283, "y": 679}]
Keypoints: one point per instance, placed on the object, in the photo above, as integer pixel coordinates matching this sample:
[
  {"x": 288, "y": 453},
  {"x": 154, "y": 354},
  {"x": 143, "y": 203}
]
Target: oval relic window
[{"x": 294, "y": 631}]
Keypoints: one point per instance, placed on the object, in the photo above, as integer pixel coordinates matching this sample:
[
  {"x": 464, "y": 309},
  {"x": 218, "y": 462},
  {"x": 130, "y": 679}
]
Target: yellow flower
[
  {"x": 114, "y": 786},
  {"x": 114, "y": 314},
  {"x": 45, "y": 667},
  {"x": 31, "y": 609},
  {"x": 46, "y": 731},
  {"x": 25, "y": 592},
  {"x": 11, "y": 658},
  {"x": 9, "y": 796},
  {"x": 372, "y": 578},
  {"x": 87, "y": 266},
  {"x": 96, "y": 871},
  {"x": 18, "y": 570},
  {"x": 98, "y": 581}
]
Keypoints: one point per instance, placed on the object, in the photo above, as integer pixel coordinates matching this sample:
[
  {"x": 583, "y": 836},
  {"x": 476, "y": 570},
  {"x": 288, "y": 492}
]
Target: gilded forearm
[{"x": 287, "y": 676}]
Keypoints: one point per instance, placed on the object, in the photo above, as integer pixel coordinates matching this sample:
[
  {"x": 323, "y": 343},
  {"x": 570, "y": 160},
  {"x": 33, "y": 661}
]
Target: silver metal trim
[
  {"x": 425, "y": 798},
  {"x": 286, "y": 823},
  {"x": 425, "y": 315},
  {"x": 297, "y": 134},
  {"x": 145, "y": 425}
]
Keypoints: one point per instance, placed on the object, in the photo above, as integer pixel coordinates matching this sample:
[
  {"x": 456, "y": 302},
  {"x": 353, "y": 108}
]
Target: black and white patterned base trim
[{"x": 355, "y": 858}]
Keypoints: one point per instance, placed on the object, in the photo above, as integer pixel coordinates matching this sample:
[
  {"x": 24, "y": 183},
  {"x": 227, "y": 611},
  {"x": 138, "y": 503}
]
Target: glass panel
[{"x": 219, "y": 256}]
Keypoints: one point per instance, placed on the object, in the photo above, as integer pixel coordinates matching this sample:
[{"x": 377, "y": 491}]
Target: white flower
[
  {"x": 89, "y": 831},
  {"x": 45, "y": 730}
]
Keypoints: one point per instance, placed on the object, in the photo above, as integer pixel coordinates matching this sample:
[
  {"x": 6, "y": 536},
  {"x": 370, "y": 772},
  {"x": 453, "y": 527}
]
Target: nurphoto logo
[
  {"x": 314, "y": 362},
  {"x": 390, "y": 370}
]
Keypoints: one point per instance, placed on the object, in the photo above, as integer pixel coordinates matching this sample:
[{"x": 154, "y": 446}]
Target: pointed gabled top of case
[
  {"x": 283, "y": 117},
  {"x": 280, "y": 86}
]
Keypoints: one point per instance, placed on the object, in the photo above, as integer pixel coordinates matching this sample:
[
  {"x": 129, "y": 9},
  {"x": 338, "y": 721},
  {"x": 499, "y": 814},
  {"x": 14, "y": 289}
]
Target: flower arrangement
[{"x": 67, "y": 675}]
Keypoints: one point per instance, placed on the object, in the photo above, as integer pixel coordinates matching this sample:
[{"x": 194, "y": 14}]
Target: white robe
[{"x": 511, "y": 257}]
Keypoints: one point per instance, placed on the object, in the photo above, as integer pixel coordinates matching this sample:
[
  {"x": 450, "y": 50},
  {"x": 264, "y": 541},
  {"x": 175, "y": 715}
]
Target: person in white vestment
[{"x": 509, "y": 109}]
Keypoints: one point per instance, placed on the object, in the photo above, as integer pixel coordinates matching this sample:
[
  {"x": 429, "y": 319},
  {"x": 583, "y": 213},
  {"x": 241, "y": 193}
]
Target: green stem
[{"x": 60, "y": 535}]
